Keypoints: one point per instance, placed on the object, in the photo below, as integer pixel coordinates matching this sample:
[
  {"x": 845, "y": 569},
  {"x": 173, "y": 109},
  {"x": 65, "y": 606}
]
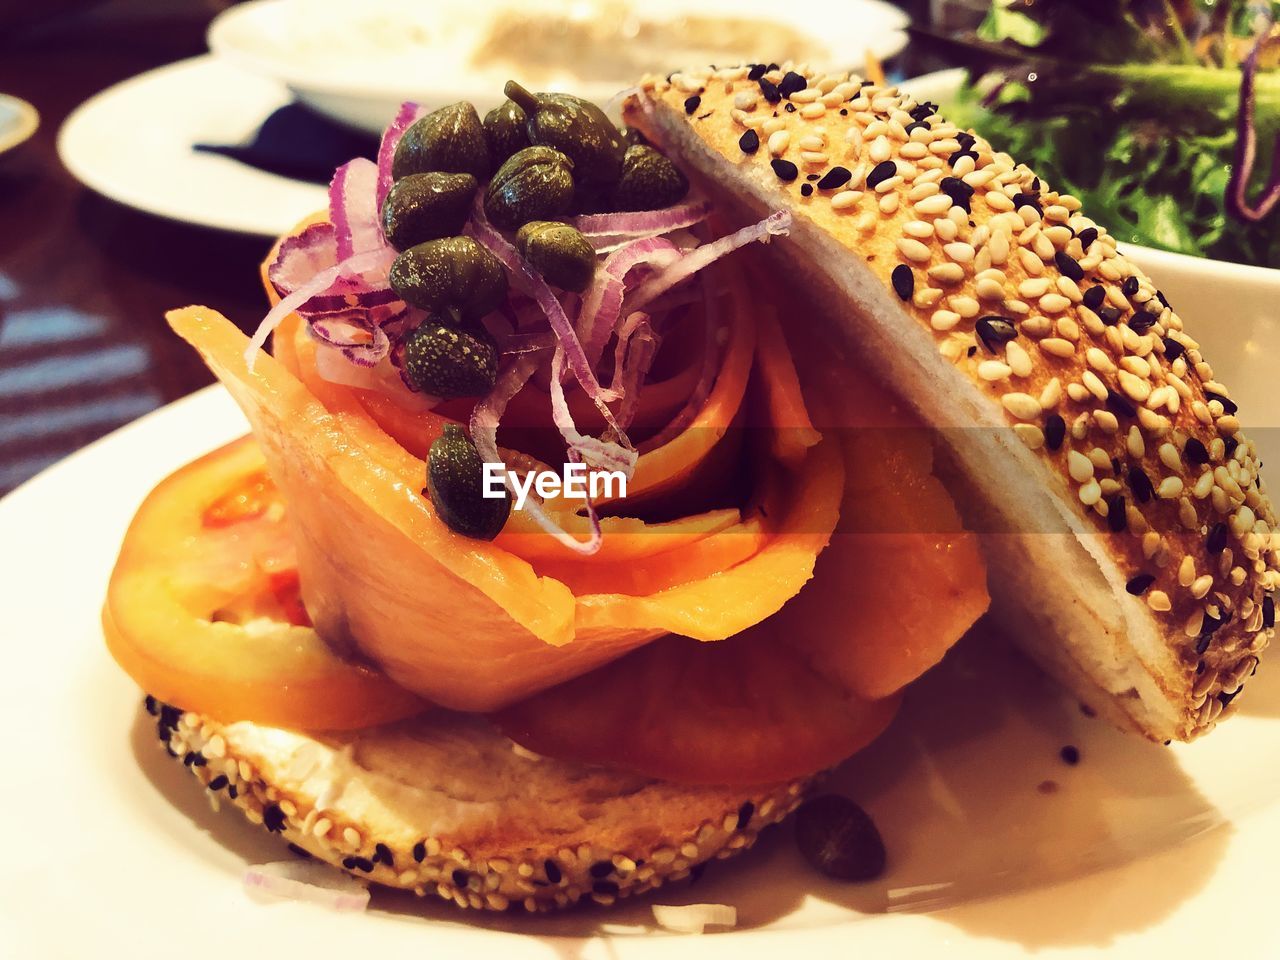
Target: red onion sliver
[
  {"x": 352, "y": 207},
  {"x": 408, "y": 114},
  {"x": 320, "y": 283},
  {"x": 637, "y": 346},
  {"x": 776, "y": 224},
  {"x": 642, "y": 222},
  {"x": 602, "y": 304},
  {"x": 301, "y": 256},
  {"x": 701, "y": 390},
  {"x": 594, "y": 452},
  {"x": 309, "y": 881}
]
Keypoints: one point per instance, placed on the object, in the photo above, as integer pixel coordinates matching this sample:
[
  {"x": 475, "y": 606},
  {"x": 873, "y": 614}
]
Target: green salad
[{"x": 1161, "y": 116}]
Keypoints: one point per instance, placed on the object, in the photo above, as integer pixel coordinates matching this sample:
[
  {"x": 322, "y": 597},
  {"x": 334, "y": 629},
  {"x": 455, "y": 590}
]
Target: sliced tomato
[
  {"x": 747, "y": 710},
  {"x": 204, "y": 609}
]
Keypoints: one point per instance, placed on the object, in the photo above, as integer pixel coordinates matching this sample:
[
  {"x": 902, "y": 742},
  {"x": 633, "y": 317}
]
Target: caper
[
  {"x": 504, "y": 127},
  {"x": 577, "y": 128},
  {"x": 559, "y": 252},
  {"x": 452, "y": 275},
  {"x": 649, "y": 181},
  {"x": 837, "y": 837},
  {"x": 426, "y": 206},
  {"x": 450, "y": 362},
  {"x": 450, "y": 140},
  {"x": 535, "y": 183},
  {"x": 455, "y": 482}
]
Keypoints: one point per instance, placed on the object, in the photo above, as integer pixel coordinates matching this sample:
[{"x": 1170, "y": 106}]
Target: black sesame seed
[
  {"x": 419, "y": 852},
  {"x": 961, "y": 193},
  {"x": 1211, "y": 624},
  {"x": 1173, "y": 349},
  {"x": 273, "y": 818},
  {"x": 903, "y": 280},
  {"x": 955, "y": 157},
  {"x": 749, "y": 142},
  {"x": 866, "y": 83},
  {"x": 745, "y": 813},
  {"x": 994, "y": 331},
  {"x": 923, "y": 110},
  {"x": 696, "y": 872},
  {"x": 1161, "y": 297},
  {"x": 218, "y": 782},
  {"x": 1028, "y": 200},
  {"x": 844, "y": 112},
  {"x": 1087, "y": 236},
  {"x": 1140, "y": 584},
  {"x": 1268, "y": 612},
  {"x": 1225, "y": 698},
  {"x": 382, "y": 854},
  {"x": 1117, "y": 516},
  {"x": 835, "y": 177},
  {"x": 1120, "y": 406},
  {"x": 1109, "y": 315},
  {"x": 605, "y": 888},
  {"x": 1227, "y": 406},
  {"x": 1094, "y": 296},
  {"x": 756, "y": 72},
  {"x": 769, "y": 90},
  {"x": 552, "y": 871},
  {"x": 1196, "y": 452},
  {"x": 459, "y": 878},
  {"x": 1055, "y": 430},
  {"x": 1070, "y": 755},
  {"x": 233, "y": 791},
  {"x": 1067, "y": 264},
  {"x": 1140, "y": 484},
  {"x": 791, "y": 83},
  {"x": 881, "y": 172},
  {"x": 784, "y": 169},
  {"x": 1216, "y": 541},
  {"x": 703, "y": 116},
  {"x": 971, "y": 351},
  {"x": 189, "y": 758},
  {"x": 774, "y": 66},
  {"x": 298, "y": 851},
  {"x": 1035, "y": 185},
  {"x": 1130, "y": 287},
  {"x": 150, "y": 703},
  {"x": 966, "y": 139},
  {"x": 806, "y": 189},
  {"x": 1202, "y": 644},
  {"x": 811, "y": 177},
  {"x": 915, "y": 125},
  {"x": 1115, "y": 466},
  {"x": 601, "y": 869},
  {"x": 790, "y": 107},
  {"x": 1142, "y": 321},
  {"x": 1229, "y": 447},
  {"x": 692, "y": 103},
  {"x": 357, "y": 863}
]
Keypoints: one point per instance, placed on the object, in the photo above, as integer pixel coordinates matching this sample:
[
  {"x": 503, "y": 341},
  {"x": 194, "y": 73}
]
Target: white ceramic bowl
[
  {"x": 1241, "y": 303},
  {"x": 356, "y": 62}
]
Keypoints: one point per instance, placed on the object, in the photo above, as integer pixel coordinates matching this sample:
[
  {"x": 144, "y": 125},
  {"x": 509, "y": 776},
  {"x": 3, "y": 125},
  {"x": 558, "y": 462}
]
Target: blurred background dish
[
  {"x": 18, "y": 121},
  {"x": 157, "y": 168},
  {"x": 358, "y": 62}
]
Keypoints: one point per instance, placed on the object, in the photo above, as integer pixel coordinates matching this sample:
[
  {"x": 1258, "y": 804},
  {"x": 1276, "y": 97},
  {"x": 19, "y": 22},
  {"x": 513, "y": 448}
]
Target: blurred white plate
[
  {"x": 133, "y": 143},
  {"x": 1198, "y": 288},
  {"x": 18, "y": 121},
  {"x": 997, "y": 849},
  {"x": 358, "y": 62}
]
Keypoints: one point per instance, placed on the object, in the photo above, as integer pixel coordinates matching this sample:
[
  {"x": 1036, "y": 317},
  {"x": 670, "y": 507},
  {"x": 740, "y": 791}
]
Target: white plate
[
  {"x": 133, "y": 143},
  {"x": 18, "y": 121},
  {"x": 1141, "y": 849},
  {"x": 358, "y": 62}
]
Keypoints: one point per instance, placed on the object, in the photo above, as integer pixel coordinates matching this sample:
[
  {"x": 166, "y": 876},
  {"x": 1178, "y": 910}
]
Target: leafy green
[{"x": 1132, "y": 110}]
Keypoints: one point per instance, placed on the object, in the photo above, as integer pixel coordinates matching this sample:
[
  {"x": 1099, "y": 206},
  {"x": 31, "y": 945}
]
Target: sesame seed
[
  {"x": 749, "y": 142},
  {"x": 1139, "y": 584},
  {"x": 913, "y": 250},
  {"x": 1079, "y": 466},
  {"x": 1158, "y": 600},
  {"x": 903, "y": 280},
  {"x": 943, "y": 320},
  {"x": 1054, "y": 303},
  {"x": 1057, "y": 347},
  {"x": 1021, "y": 405},
  {"x": 959, "y": 251},
  {"x": 692, "y": 103},
  {"x": 846, "y": 199},
  {"x": 946, "y": 273},
  {"x": 835, "y": 177},
  {"x": 785, "y": 170},
  {"x": 778, "y": 142},
  {"x": 1170, "y": 488}
]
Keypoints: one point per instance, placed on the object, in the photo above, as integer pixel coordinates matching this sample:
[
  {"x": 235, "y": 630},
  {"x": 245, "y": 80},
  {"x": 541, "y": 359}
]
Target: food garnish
[{"x": 455, "y": 478}]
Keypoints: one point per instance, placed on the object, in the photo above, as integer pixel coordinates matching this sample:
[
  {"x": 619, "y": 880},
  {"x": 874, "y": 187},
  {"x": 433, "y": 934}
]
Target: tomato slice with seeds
[{"x": 204, "y": 611}]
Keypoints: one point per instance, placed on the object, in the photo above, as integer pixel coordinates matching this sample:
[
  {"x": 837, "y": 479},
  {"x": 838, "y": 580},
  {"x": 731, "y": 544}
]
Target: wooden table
[{"x": 84, "y": 282}]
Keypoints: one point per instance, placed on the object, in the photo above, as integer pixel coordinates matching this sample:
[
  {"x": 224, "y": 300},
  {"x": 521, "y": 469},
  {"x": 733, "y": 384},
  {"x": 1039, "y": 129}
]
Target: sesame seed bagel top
[{"x": 1069, "y": 346}]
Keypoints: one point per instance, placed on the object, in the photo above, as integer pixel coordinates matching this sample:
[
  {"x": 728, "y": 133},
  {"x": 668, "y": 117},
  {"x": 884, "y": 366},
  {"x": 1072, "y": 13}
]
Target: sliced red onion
[
  {"x": 363, "y": 347},
  {"x": 606, "y": 228},
  {"x": 527, "y": 280},
  {"x": 301, "y": 256},
  {"x": 1238, "y": 203},
  {"x": 597, "y": 454},
  {"x": 602, "y": 304},
  {"x": 408, "y": 114},
  {"x": 320, "y": 283},
  {"x": 776, "y": 224},
  {"x": 528, "y": 342},
  {"x": 633, "y": 355},
  {"x": 353, "y": 207},
  {"x": 694, "y": 917},
  {"x": 307, "y": 881}
]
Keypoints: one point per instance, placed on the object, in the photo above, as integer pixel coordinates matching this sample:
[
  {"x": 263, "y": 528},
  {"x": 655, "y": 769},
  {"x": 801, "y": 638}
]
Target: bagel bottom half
[{"x": 444, "y": 804}]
